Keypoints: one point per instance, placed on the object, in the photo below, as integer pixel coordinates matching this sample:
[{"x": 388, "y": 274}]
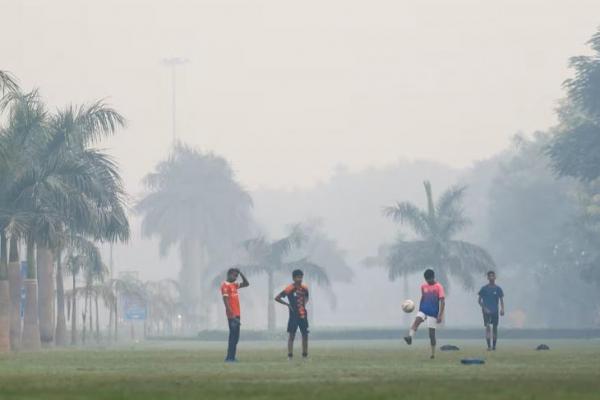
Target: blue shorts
[{"x": 491, "y": 318}]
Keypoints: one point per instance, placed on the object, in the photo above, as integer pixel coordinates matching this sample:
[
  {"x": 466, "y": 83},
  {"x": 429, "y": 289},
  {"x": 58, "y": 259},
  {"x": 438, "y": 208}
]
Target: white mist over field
[{"x": 327, "y": 112}]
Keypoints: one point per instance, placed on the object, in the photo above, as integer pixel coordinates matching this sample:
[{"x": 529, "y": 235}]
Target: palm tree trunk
[
  {"x": 60, "y": 335},
  {"x": 91, "y": 317},
  {"x": 68, "y": 302},
  {"x": 110, "y": 321},
  {"x": 15, "y": 281},
  {"x": 74, "y": 311},
  {"x": 190, "y": 280},
  {"x": 45, "y": 278},
  {"x": 4, "y": 296},
  {"x": 97, "y": 320},
  {"x": 116, "y": 316},
  {"x": 83, "y": 317},
  {"x": 31, "y": 327},
  {"x": 271, "y": 304}
]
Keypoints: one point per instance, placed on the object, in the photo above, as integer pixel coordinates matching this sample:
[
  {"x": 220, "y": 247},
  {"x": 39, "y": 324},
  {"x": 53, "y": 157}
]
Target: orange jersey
[
  {"x": 298, "y": 297},
  {"x": 230, "y": 291}
]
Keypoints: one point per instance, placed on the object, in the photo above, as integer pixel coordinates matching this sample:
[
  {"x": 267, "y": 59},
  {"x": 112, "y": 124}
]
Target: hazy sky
[{"x": 287, "y": 90}]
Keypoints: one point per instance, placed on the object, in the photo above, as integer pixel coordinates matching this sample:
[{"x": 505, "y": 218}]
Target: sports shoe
[{"x": 408, "y": 339}]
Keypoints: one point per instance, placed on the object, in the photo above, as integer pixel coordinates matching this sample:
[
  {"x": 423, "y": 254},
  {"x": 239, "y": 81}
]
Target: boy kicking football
[
  {"x": 431, "y": 309},
  {"x": 297, "y": 295}
]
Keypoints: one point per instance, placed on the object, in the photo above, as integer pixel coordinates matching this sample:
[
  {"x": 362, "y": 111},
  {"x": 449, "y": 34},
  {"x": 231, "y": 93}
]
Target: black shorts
[
  {"x": 490, "y": 319},
  {"x": 295, "y": 322}
]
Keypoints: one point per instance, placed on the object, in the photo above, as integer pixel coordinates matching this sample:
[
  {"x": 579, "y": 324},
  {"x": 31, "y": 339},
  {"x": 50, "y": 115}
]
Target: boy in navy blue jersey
[{"x": 489, "y": 297}]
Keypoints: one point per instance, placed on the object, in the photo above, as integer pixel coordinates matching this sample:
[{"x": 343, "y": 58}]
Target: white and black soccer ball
[{"x": 408, "y": 306}]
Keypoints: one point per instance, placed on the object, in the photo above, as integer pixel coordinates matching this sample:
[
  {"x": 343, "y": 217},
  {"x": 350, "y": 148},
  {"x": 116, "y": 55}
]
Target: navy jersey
[{"x": 491, "y": 295}]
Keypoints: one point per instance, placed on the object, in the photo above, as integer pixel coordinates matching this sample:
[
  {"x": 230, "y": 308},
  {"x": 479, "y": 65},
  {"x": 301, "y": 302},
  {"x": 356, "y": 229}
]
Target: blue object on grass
[{"x": 472, "y": 361}]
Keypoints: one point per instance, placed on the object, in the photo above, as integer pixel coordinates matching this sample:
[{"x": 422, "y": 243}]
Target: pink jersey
[{"x": 430, "y": 298}]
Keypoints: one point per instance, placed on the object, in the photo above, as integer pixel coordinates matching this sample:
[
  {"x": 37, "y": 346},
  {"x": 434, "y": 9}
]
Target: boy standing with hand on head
[
  {"x": 431, "y": 309},
  {"x": 297, "y": 294},
  {"x": 231, "y": 299}
]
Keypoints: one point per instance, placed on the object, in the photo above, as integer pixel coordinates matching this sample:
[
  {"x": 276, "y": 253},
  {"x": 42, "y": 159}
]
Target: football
[{"x": 408, "y": 306}]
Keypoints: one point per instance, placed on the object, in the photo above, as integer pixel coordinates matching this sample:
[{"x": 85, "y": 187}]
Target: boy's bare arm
[
  {"x": 279, "y": 300},
  {"x": 244, "y": 282},
  {"x": 440, "y": 317}
]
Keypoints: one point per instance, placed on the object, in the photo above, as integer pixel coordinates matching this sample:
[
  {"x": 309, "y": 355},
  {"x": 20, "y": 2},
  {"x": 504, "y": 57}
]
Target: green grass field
[{"x": 341, "y": 370}]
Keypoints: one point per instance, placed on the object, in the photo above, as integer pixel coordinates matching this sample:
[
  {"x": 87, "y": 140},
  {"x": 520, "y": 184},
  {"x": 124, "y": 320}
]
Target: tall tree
[
  {"x": 195, "y": 203},
  {"x": 575, "y": 149},
  {"x": 58, "y": 186},
  {"x": 22, "y": 140},
  {"x": 436, "y": 247},
  {"x": 8, "y": 84},
  {"x": 83, "y": 257},
  {"x": 97, "y": 206}
]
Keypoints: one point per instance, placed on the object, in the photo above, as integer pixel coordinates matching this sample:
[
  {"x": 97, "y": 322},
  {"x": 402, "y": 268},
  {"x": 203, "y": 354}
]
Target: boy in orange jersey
[
  {"x": 231, "y": 299},
  {"x": 297, "y": 294}
]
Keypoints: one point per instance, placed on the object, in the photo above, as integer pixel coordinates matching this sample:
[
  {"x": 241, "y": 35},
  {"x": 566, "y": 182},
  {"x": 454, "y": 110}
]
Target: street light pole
[{"x": 173, "y": 63}]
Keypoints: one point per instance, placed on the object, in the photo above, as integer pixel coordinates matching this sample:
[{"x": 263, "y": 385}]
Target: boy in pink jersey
[{"x": 431, "y": 309}]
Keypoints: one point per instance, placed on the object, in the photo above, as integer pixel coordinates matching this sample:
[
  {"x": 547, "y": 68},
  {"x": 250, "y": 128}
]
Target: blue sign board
[{"x": 134, "y": 308}]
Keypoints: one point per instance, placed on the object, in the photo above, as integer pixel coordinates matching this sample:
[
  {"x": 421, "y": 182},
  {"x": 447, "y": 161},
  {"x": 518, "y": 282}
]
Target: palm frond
[
  {"x": 409, "y": 257},
  {"x": 8, "y": 83},
  {"x": 98, "y": 120},
  {"x": 450, "y": 200},
  {"x": 450, "y": 215},
  {"x": 408, "y": 213},
  {"x": 466, "y": 259},
  {"x": 283, "y": 246},
  {"x": 252, "y": 269}
]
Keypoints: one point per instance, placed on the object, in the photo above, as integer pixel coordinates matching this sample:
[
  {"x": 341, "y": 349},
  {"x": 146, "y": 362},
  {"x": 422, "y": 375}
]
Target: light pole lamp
[{"x": 172, "y": 63}]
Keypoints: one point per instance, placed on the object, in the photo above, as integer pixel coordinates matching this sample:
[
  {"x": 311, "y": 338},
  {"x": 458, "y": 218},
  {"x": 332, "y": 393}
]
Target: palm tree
[
  {"x": 270, "y": 258},
  {"x": 83, "y": 257},
  {"x": 57, "y": 186},
  {"x": 94, "y": 276},
  {"x": 7, "y": 85},
  {"x": 195, "y": 203},
  {"x": 4, "y": 296},
  {"x": 436, "y": 226},
  {"x": 22, "y": 138},
  {"x": 97, "y": 207}
]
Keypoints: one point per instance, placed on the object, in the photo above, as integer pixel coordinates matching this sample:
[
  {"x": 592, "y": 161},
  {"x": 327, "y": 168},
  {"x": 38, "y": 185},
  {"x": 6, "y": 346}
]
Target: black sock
[
  {"x": 290, "y": 355},
  {"x": 304, "y": 355},
  {"x": 488, "y": 343},
  {"x": 495, "y": 342}
]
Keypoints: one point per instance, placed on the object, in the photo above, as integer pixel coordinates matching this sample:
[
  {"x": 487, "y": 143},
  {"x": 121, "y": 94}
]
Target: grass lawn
[{"x": 340, "y": 370}]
